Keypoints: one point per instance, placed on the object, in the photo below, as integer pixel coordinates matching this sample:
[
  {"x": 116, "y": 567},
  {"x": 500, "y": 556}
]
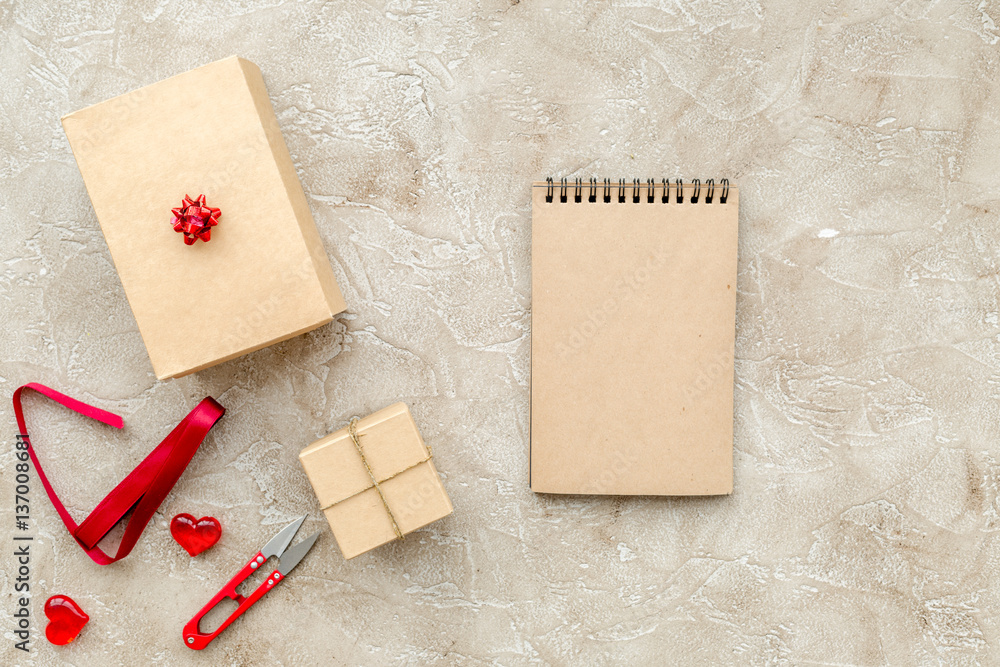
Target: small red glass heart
[
  {"x": 195, "y": 535},
  {"x": 66, "y": 619}
]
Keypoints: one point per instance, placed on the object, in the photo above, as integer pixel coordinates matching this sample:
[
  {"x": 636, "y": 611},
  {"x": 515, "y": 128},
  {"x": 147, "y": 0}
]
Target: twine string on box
[{"x": 352, "y": 429}]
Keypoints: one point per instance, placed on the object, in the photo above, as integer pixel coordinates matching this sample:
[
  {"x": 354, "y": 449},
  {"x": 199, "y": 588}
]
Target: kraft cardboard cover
[
  {"x": 632, "y": 338},
  {"x": 264, "y": 276},
  {"x": 399, "y": 460}
]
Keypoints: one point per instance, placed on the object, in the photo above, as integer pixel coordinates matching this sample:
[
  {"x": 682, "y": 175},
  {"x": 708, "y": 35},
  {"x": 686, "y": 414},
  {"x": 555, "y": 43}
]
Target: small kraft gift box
[
  {"x": 375, "y": 480},
  {"x": 207, "y": 223}
]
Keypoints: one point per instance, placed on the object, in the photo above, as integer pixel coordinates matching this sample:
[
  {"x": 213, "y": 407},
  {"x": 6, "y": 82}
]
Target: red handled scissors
[{"x": 275, "y": 548}]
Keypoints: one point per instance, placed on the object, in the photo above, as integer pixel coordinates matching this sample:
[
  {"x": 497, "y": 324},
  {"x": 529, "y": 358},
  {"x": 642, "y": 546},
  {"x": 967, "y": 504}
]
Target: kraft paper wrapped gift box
[
  {"x": 409, "y": 491},
  {"x": 264, "y": 275}
]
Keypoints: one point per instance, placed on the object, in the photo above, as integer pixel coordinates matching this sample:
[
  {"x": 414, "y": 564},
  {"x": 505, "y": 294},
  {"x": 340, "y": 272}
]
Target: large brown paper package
[
  {"x": 411, "y": 491},
  {"x": 632, "y": 340},
  {"x": 264, "y": 276}
]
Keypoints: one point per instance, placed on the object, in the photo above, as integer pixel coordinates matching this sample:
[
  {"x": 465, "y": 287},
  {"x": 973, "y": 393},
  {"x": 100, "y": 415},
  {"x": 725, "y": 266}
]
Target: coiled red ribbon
[{"x": 143, "y": 489}]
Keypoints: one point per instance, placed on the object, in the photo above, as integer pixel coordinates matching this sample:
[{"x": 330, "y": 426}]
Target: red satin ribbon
[{"x": 143, "y": 489}]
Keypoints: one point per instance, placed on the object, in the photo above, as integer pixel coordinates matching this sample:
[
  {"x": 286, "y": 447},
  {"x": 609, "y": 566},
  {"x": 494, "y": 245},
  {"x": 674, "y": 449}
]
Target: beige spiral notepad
[{"x": 632, "y": 336}]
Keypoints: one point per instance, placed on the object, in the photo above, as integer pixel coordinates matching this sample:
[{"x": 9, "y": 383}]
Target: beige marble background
[{"x": 865, "y": 136}]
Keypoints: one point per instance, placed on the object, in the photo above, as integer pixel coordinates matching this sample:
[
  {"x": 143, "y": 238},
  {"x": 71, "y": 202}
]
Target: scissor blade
[
  {"x": 277, "y": 545},
  {"x": 295, "y": 554}
]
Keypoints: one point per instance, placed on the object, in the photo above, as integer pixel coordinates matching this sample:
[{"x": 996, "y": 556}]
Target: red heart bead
[
  {"x": 66, "y": 619},
  {"x": 195, "y": 535}
]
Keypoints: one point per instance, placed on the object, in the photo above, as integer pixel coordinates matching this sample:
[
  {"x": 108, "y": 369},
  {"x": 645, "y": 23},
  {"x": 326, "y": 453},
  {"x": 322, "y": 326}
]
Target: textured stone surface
[{"x": 865, "y": 526}]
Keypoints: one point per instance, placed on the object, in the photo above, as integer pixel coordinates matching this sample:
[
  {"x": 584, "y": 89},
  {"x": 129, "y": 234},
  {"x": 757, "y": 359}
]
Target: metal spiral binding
[{"x": 606, "y": 186}]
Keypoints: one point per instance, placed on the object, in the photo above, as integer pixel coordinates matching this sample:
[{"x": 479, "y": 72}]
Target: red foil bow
[{"x": 195, "y": 220}]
